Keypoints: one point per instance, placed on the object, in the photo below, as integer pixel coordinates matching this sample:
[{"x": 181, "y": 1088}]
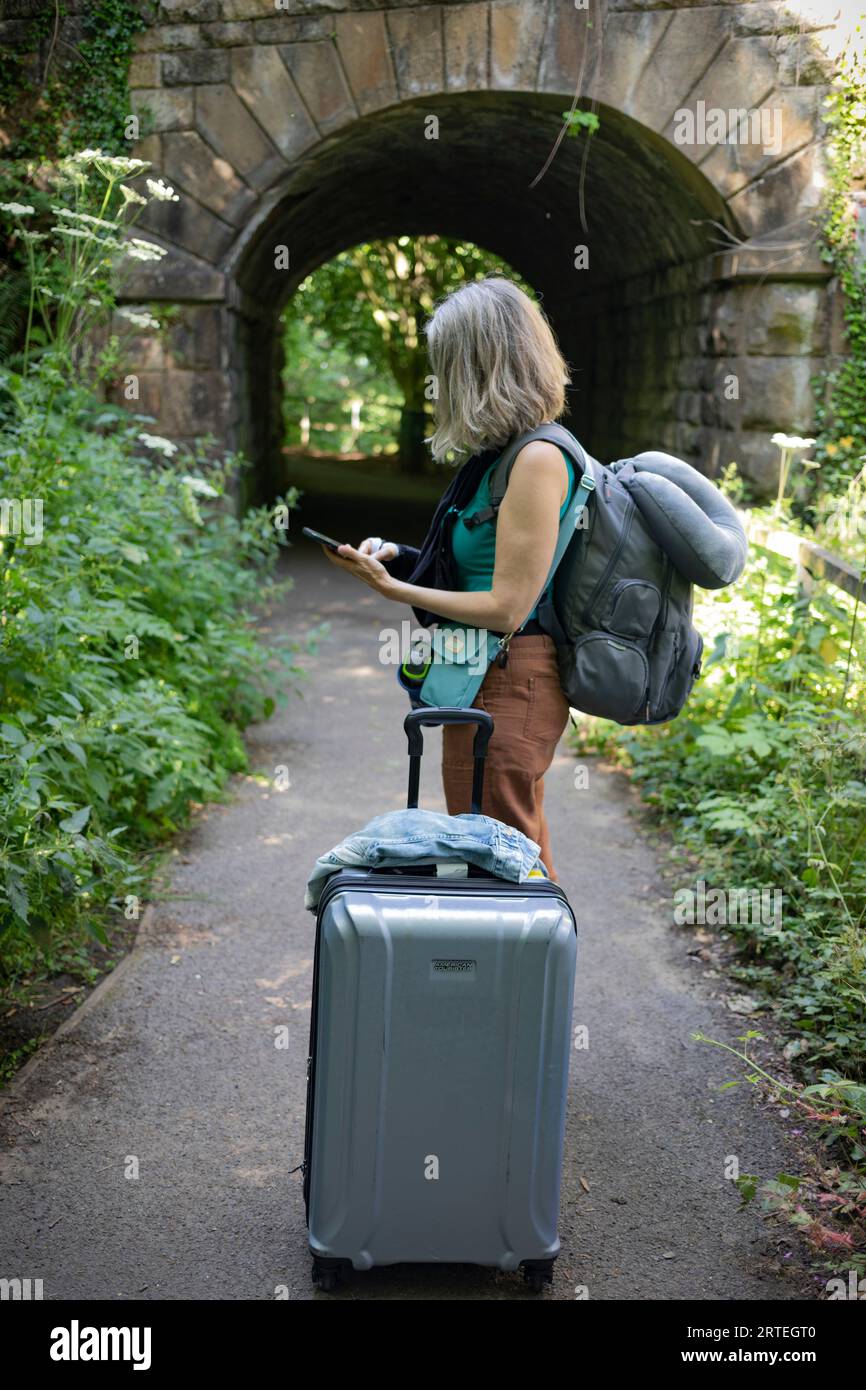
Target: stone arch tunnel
[{"x": 700, "y": 311}]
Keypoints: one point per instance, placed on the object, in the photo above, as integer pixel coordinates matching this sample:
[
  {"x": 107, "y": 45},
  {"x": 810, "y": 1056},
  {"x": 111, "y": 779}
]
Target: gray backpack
[{"x": 620, "y": 605}]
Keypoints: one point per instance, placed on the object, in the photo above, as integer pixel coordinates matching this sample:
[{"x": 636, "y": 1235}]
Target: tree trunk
[{"x": 413, "y": 451}]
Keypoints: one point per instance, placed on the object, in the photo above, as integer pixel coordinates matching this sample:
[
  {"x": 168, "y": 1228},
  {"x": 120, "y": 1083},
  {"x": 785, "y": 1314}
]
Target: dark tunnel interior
[{"x": 630, "y": 323}]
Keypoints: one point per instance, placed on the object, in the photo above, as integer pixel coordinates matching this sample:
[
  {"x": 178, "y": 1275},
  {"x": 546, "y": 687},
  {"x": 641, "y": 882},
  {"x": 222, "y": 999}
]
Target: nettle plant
[{"x": 127, "y": 663}]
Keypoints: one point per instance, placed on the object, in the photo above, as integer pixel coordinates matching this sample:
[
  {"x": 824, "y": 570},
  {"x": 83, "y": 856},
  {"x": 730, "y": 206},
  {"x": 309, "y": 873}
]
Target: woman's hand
[
  {"x": 363, "y": 565},
  {"x": 379, "y": 549}
]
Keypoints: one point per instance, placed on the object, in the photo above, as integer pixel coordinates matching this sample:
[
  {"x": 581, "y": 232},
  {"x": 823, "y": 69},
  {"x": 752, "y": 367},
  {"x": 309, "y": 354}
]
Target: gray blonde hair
[{"x": 498, "y": 369}]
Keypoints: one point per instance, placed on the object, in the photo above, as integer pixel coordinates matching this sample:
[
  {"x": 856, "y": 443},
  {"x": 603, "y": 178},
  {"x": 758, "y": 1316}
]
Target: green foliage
[
  {"x": 127, "y": 665},
  {"x": 324, "y": 377},
  {"x": 11, "y": 1061},
  {"x": 354, "y": 330},
  {"x": 763, "y": 778},
  {"x": 840, "y": 519},
  {"x": 578, "y": 121},
  {"x": 828, "y": 1204},
  {"x": 840, "y": 447}
]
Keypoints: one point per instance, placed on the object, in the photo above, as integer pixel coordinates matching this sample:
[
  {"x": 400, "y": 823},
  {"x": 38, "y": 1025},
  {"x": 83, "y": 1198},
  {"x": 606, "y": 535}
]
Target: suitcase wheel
[
  {"x": 537, "y": 1274},
  {"x": 326, "y": 1274}
]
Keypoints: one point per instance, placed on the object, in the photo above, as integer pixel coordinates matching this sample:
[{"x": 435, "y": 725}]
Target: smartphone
[{"x": 322, "y": 540}]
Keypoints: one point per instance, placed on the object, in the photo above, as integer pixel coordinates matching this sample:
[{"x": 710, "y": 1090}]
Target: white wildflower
[
  {"x": 139, "y": 250},
  {"x": 84, "y": 217},
  {"x": 791, "y": 441},
  {"x": 120, "y": 164},
  {"x": 156, "y": 441},
  {"x": 17, "y": 209},
  {"x": 138, "y": 318},
  {"x": 199, "y": 485},
  {"x": 108, "y": 243},
  {"x": 130, "y": 195},
  {"x": 161, "y": 191}
]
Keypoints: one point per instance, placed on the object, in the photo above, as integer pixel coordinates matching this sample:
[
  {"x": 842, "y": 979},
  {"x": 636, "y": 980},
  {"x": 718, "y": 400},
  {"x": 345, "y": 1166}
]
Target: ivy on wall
[
  {"x": 841, "y": 410},
  {"x": 64, "y": 83}
]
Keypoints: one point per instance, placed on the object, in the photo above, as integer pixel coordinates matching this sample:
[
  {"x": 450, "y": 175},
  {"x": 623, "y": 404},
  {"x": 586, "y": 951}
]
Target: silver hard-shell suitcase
[{"x": 438, "y": 1066}]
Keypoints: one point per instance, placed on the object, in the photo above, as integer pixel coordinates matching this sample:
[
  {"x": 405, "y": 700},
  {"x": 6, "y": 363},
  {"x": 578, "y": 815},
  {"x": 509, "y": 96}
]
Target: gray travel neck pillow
[{"x": 687, "y": 517}]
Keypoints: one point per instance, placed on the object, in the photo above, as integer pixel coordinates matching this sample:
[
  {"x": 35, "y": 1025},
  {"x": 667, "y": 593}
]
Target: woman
[{"x": 499, "y": 373}]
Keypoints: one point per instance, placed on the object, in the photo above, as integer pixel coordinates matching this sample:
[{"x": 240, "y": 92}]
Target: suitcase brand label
[{"x": 454, "y": 967}]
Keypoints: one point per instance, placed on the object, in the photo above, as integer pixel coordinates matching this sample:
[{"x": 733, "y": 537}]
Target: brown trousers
[{"x": 529, "y": 713}]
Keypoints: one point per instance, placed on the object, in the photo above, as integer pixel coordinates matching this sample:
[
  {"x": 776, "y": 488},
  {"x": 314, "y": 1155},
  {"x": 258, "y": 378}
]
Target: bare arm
[{"x": 526, "y": 534}]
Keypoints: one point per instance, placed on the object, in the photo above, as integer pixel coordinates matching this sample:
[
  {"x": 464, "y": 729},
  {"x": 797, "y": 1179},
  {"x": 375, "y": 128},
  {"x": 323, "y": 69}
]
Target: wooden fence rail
[{"x": 813, "y": 562}]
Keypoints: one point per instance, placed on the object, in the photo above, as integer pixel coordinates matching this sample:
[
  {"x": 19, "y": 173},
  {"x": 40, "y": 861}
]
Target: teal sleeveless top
[{"x": 474, "y": 548}]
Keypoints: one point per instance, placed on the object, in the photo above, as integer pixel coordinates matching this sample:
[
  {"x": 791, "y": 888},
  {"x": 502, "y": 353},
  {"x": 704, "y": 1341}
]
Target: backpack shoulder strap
[
  {"x": 567, "y": 526},
  {"x": 554, "y": 434}
]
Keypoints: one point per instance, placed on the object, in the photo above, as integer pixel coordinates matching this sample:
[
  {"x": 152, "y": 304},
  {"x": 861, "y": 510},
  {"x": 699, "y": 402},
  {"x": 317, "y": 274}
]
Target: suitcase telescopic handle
[{"x": 415, "y": 722}]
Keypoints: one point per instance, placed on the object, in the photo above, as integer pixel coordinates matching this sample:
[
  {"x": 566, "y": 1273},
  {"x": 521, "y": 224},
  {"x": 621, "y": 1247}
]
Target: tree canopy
[{"x": 355, "y": 331}]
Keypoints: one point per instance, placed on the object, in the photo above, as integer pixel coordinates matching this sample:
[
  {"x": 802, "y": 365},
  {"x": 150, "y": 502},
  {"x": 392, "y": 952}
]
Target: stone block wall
[{"x": 703, "y": 368}]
